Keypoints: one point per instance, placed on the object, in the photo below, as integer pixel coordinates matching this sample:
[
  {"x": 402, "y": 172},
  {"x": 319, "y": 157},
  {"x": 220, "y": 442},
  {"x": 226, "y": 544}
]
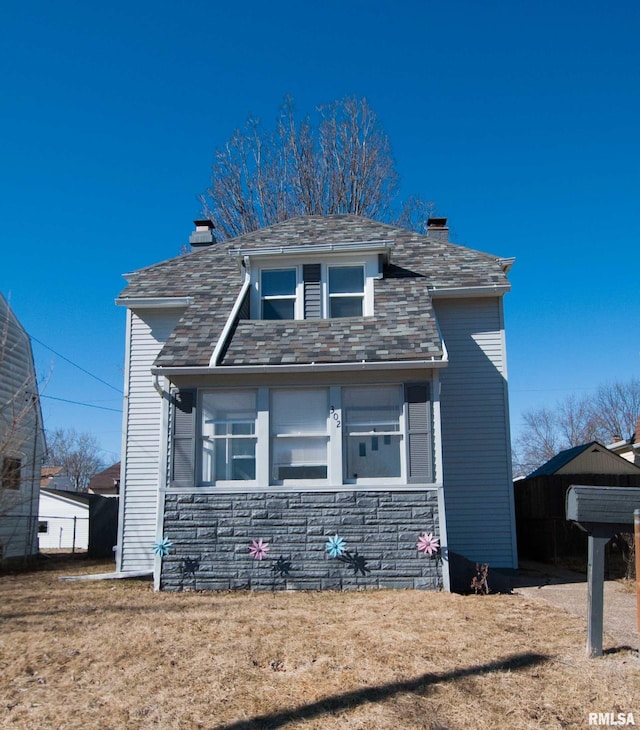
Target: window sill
[{"x": 292, "y": 489}]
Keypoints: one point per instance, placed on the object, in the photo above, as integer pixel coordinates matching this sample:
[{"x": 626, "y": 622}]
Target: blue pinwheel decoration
[
  {"x": 336, "y": 546},
  {"x": 162, "y": 548}
]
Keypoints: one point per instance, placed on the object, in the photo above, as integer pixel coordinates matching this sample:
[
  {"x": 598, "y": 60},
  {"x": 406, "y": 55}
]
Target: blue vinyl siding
[{"x": 475, "y": 432}]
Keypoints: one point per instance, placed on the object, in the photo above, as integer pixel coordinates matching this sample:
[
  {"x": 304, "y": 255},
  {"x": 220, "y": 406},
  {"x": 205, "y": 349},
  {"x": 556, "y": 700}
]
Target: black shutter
[
  {"x": 183, "y": 438},
  {"x": 419, "y": 433}
]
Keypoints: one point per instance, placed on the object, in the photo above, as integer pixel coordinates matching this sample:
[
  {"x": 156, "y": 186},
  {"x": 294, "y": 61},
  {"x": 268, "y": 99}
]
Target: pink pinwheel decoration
[
  {"x": 258, "y": 549},
  {"x": 428, "y": 544}
]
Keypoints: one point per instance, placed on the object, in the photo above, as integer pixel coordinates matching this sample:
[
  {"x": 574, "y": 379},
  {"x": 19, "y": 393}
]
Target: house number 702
[{"x": 335, "y": 416}]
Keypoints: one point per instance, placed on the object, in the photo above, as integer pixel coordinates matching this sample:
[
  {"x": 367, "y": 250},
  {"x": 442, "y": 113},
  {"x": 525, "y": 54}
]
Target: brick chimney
[
  {"x": 437, "y": 229},
  {"x": 203, "y": 235}
]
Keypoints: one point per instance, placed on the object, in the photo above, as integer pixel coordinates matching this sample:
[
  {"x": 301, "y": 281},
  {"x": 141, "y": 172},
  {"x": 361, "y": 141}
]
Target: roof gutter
[
  {"x": 314, "y": 249},
  {"x": 506, "y": 263},
  {"x": 312, "y": 367},
  {"x": 154, "y": 302},
  {"x": 470, "y": 291}
]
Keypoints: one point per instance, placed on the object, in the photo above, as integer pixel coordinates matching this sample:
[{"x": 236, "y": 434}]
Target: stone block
[
  {"x": 274, "y": 505},
  {"x": 220, "y": 505},
  {"x": 352, "y": 519},
  {"x": 394, "y": 515},
  {"x": 317, "y": 498},
  {"x": 346, "y": 498}
]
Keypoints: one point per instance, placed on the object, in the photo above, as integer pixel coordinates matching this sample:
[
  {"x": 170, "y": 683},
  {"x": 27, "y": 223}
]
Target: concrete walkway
[{"x": 568, "y": 590}]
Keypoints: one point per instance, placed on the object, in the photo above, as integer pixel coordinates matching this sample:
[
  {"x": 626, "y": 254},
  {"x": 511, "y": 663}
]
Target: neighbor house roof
[
  {"x": 47, "y": 473},
  {"x": 562, "y": 458},
  {"x": 106, "y": 480},
  {"x": 614, "y": 463},
  {"x": 403, "y": 328},
  {"x": 627, "y": 446}
]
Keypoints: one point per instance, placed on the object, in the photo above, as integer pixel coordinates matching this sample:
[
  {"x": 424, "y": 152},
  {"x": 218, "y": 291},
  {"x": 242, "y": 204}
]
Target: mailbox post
[
  {"x": 636, "y": 540},
  {"x": 601, "y": 512}
]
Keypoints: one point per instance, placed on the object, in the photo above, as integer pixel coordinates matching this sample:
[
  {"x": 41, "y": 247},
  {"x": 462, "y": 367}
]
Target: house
[
  {"x": 63, "y": 520},
  {"x": 22, "y": 443},
  {"x": 543, "y": 531},
  {"x": 53, "y": 477},
  {"x": 628, "y": 449},
  {"x": 106, "y": 482},
  {"x": 329, "y": 394}
]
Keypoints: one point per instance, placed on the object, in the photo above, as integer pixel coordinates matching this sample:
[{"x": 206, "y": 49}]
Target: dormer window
[
  {"x": 346, "y": 291},
  {"x": 314, "y": 291},
  {"x": 278, "y": 293},
  {"x": 319, "y": 281}
]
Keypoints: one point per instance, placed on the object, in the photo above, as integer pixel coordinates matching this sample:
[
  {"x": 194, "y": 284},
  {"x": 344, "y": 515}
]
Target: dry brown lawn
[{"x": 114, "y": 654}]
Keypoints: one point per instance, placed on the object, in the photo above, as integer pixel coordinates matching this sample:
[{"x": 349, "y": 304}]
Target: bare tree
[
  {"x": 540, "y": 440},
  {"x": 77, "y": 453},
  {"x": 617, "y": 408},
  {"x": 341, "y": 164},
  {"x": 577, "y": 422},
  {"x": 611, "y": 413}
]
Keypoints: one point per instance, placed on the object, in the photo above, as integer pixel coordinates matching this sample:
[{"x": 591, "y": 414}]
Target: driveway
[{"x": 567, "y": 590}]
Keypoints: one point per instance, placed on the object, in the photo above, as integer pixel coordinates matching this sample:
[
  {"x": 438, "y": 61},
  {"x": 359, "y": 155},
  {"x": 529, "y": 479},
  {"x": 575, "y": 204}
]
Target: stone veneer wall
[{"x": 212, "y": 533}]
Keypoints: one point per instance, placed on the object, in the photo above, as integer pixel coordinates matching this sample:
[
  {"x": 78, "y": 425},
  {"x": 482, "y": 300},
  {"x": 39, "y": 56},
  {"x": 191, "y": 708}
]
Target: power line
[
  {"x": 78, "y": 403},
  {"x": 75, "y": 365}
]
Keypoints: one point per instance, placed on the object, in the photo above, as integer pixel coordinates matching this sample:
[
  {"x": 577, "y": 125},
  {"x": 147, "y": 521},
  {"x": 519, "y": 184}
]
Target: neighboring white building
[
  {"x": 325, "y": 376},
  {"x": 63, "y": 520},
  {"x": 628, "y": 449},
  {"x": 22, "y": 444}
]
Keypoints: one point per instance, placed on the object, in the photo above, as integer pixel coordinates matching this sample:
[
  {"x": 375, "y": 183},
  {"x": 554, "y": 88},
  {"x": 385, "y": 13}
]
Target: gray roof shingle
[{"x": 403, "y": 328}]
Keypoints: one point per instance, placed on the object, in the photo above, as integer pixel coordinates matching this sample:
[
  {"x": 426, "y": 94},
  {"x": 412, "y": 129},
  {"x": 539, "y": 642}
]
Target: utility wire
[
  {"x": 91, "y": 375},
  {"x": 78, "y": 403}
]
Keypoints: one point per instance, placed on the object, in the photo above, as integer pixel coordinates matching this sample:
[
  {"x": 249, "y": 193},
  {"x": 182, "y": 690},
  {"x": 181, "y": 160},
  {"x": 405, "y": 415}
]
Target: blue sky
[{"x": 520, "y": 120}]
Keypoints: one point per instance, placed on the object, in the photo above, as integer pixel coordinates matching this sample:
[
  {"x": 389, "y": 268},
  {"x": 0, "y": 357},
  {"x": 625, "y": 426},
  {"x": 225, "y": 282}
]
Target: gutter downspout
[
  {"x": 231, "y": 320},
  {"x": 437, "y": 439},
  {"x": 157, "y": 387}
]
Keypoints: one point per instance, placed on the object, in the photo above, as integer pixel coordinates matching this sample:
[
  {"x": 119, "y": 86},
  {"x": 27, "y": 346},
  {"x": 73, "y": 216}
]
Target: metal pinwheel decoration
[
  {"x": 162, "y": 548},
  {"x": 428, "y": 544}
]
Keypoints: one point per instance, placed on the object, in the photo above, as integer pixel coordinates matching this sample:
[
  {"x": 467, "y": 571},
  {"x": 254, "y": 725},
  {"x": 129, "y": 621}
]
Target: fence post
[
  {"x": 73, "y": 544},
  {"x": 636, "y": 532}
]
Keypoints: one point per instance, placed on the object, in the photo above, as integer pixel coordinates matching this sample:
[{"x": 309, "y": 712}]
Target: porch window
[
  {"x": 337, "y": 435},
  {"x": 228, "y": 432},
  {"x": 299, "y": 434},
  {"x": 372, "y": 432}
]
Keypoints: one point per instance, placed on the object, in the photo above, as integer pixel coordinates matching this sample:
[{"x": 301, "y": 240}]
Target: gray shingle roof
[{"x": 403, "y": 327}]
